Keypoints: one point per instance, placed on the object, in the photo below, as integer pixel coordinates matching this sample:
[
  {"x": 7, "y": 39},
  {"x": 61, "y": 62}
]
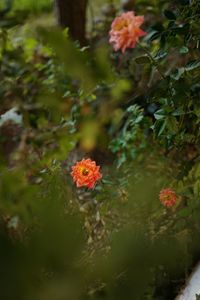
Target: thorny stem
[{"x": 153, "y": 60}]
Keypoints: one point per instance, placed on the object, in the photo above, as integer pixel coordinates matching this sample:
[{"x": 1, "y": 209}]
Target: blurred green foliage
[
  {"x": 116, "y": 241},
  {"x": 33, "y": 6}
]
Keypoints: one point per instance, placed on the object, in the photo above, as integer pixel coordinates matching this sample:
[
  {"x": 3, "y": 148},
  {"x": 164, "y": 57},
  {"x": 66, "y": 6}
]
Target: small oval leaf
[
  {"x": 184, "y": 50},
  {"x": 142, "y": 60},
  {"x": 192, "y": 65}
]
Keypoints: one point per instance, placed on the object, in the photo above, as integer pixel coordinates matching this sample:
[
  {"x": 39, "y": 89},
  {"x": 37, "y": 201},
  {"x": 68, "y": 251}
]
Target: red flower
[
  {"x": 168, "y": 197},
  {"x": 125, "y": 31},
  {"x": 86, "y": 173}
]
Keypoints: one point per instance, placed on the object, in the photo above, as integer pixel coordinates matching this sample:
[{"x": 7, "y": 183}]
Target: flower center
[
  {"x": 121, "y": 25},
  {"x": 85, "y": 172}
]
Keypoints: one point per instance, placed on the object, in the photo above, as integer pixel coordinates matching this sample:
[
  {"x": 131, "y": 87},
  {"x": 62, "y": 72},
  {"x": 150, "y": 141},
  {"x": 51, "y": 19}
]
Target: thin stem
[
  {"x": 120, "y": 62},
  {"x": 153, "y": 60}
]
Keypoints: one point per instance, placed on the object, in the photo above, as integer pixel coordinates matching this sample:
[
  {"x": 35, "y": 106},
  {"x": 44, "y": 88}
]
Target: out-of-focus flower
[
  {"x": 125, "y": 31},
  {"x": 86, "y": 173},
  {"x": 168, "y": 197}
]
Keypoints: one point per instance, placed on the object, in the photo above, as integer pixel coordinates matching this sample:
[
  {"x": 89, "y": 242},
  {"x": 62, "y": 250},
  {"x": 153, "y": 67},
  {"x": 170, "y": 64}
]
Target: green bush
[{"x": 137, "y": 116}]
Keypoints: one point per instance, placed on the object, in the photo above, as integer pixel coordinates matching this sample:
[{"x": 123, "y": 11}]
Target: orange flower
[
  {"x": 86, "y": 173},
  {"x": 125, "y": 31},
  {"x": 168, "y": 197}
]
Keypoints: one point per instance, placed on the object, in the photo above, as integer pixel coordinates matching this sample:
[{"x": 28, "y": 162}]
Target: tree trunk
[{"x": 72, "y": 14}]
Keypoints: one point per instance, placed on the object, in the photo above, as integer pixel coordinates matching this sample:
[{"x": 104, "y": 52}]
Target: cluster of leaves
[
  {"x": 167, "y": 80},
  {"x": 131, "y": 139}
]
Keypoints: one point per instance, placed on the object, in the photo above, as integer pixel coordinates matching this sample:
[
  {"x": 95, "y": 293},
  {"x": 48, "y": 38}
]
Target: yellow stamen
[{"x": 85, "y": 172}]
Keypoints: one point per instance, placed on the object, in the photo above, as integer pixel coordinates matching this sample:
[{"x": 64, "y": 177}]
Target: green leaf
[
  {"x": 176, "y": 75},
  {"x": 142, "y": 60},
  {"x": 192, "y": 65},
  {"x": 133, "y": 108},
  {"x": 169, "y": 14},
  {"x": 162, "y": 128},
  {"x": 121, "y": 160},
  {"x": 138, "y": 119},
  {"x": 161, "y": 54},
  {"x": 153, "y": 35},
  {"x": 159, "y": 126},
  {"x": 178, "y": 112},
  {"x": 159, "y": 114},
  {"x": 172, "y": 124},
  {"x": 184, "y": 50}
]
